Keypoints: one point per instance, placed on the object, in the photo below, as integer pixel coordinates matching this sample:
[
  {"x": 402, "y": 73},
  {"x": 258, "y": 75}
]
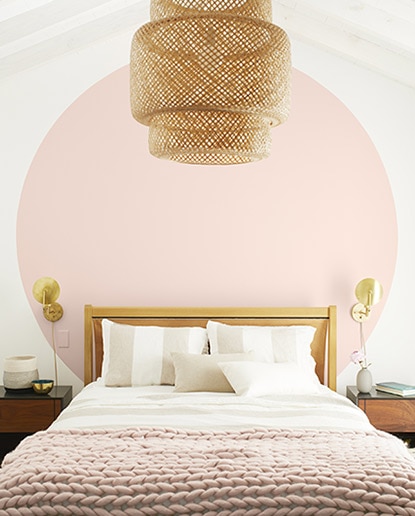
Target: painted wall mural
[{"x": 116, "y": 226}]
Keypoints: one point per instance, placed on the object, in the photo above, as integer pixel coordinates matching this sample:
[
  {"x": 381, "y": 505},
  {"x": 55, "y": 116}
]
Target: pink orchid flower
[{"x": 357, "y": 357}]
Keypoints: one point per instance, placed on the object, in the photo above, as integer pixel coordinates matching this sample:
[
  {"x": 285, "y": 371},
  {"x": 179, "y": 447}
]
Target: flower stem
[{"x": 363, "y": 344}]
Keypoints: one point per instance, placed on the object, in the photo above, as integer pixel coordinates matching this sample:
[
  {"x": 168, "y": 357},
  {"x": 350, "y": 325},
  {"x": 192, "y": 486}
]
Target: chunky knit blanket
[{"x": 178, "y": 472}]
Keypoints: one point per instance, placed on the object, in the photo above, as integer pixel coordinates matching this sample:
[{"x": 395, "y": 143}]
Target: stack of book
[{"x": 400, "y": 389}]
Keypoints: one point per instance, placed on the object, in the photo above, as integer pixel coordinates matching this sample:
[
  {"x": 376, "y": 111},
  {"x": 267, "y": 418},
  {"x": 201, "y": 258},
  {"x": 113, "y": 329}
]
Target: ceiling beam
[
  {"x": 376, "y": 34},
  {"x": 362, "y": 39}
]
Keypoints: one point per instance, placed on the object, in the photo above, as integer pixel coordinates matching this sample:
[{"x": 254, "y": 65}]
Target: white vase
[{"x": 364, "y": 380}]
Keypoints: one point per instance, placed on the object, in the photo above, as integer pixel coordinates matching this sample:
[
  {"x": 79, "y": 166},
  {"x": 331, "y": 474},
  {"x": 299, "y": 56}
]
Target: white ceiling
[{"x": 378, "y": 34}]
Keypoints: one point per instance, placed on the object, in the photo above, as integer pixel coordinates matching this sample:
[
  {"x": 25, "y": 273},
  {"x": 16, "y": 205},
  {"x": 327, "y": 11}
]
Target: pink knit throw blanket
[{"x": 179, "y": 472}]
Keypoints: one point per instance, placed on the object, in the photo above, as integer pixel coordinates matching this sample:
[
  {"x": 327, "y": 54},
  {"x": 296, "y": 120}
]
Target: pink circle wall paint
[{"x": 115, "y": 226}]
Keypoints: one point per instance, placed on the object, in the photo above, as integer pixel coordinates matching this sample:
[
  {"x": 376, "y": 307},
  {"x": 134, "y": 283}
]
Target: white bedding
[{"x": 97, "y": 406}]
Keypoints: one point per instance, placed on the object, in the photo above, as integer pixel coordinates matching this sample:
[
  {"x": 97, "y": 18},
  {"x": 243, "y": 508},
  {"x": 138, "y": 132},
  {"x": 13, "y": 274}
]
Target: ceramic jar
[{"x": 19, "y": 371}]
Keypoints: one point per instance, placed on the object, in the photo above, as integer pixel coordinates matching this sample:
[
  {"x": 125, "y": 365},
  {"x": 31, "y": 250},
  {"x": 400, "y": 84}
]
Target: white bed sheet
[{"x": 97, "y": 406}]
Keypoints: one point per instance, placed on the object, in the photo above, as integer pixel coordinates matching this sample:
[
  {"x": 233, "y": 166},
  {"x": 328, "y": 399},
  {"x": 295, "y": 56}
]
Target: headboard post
[
  {"x": 332, "y": 348},
  {"x": 88, "y": 345}
]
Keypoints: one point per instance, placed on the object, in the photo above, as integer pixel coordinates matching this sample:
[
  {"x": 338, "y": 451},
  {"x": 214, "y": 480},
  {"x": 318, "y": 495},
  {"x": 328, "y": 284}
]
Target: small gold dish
[{"x": 42, "y": 386}]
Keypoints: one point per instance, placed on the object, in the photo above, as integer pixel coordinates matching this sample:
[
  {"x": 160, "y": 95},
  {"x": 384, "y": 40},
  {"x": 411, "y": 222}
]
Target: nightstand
[
  {"x": 394, "y": 414},
  {"x": 25, "y": 412}
]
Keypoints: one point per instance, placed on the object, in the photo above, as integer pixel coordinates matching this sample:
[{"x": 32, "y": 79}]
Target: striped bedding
[{"x": 98, "y": 406}]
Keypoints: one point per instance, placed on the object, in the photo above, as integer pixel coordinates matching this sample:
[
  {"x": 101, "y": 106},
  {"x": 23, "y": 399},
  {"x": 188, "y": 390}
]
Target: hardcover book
[{"x": 401, "y": 389}]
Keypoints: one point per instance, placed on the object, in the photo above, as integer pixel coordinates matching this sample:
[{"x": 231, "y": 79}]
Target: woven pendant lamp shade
[{"x": 210, "y": 78}]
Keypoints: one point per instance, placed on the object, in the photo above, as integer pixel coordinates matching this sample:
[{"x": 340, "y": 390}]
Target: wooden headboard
[{"x": 323, "y": 347}]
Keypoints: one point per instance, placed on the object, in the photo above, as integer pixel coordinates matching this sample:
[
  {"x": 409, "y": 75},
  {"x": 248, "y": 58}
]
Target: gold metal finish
[
  {"x": 46, "y": 290},
  {"x": 210, "y": 78},
  {"x": 53, "y": 312},
  {"x": 368, "y": 292},
  {"x": 42, "y": 386},
  {"x": 360, "y": 312}
]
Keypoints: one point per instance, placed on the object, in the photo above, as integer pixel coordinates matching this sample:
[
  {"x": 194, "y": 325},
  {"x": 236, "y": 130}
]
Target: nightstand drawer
[
  {"x": 27, "y": 415},
  {"x": 25, "y": 412},
  {"x": 396, "y": 415}
]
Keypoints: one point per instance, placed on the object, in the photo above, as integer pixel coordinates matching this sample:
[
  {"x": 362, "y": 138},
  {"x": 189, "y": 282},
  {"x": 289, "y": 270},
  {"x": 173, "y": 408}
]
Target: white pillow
[
  {"x": 196, "y": 373},
  {"x": 141, "y": 355},
  {"x": 267, "y": 379},
  {"x": 270, "y": 343}
]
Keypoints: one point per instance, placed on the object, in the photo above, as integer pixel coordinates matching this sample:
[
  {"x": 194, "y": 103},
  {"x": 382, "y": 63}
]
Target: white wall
[
  {"x": 386, "y": 110},
  {"x": 30, "y": 103}
]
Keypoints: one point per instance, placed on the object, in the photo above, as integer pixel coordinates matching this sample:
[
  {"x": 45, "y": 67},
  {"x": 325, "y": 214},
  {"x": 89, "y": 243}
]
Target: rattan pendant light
[{"x": 210, "y": 78}]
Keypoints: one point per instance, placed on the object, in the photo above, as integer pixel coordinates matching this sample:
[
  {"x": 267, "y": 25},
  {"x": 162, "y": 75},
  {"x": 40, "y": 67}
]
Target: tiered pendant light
[{"x": 210, "y": 78}]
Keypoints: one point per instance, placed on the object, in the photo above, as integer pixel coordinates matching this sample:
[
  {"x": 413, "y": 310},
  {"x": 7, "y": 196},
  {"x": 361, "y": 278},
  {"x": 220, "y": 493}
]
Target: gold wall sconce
[
  {"x": 368, "y": 292},
  {"x": 46, "y": 291}
]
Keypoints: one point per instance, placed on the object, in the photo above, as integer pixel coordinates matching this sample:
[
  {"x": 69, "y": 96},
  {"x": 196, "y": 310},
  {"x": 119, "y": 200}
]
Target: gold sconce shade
[
  {"x": 368, "y": 292},
  {"x": 46, "y": 290},
  {"x": 210, "y": 78}
]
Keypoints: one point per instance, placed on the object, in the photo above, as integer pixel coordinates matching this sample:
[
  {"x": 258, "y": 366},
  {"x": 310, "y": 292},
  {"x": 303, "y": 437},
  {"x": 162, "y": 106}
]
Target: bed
[{"x": 209, "y": 411}]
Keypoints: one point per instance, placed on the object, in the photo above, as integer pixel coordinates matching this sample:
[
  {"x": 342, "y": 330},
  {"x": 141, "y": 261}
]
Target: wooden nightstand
[
  {"x": 394, "y": 414},
  {"x": 23, "y": 413}
]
